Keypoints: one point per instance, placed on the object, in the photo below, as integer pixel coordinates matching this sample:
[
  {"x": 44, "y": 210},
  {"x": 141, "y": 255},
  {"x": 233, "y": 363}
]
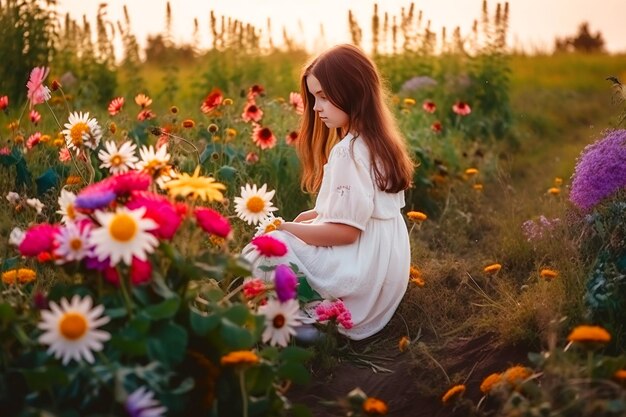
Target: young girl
[{"x": 353, "y": 245}]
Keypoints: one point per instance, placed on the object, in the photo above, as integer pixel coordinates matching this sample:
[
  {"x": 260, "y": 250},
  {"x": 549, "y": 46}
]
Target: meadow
[{"x": 515, "y": 299}]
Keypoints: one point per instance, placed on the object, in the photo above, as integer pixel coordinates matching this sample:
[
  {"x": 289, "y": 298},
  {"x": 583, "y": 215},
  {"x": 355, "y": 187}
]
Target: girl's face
[{"x": 332, "y": 116}]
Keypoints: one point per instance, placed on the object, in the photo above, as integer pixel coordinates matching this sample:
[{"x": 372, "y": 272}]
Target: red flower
[
  {"x": 429, "y": 106},
  {"x": 269, "y": 246},
  {"x": 212, "y": 101},
  {"x": 116, "y": 105},
  {"x": 145, "y": 114},
  {"x": 212, "y": 222},
  {"x": 461, "y": 108},
  {"x": 436, "y": 127},
  {"x": 253, "y": 287},
  {"x": 252, "y": 112},
  {"x": 263, "y": 137},
  {"x": 252, "y": 158},
  {"x": 4, "y": 103},
  {"x": 35, "y": 117},
  {"x": 291, "y": 137},
  {"x": 255, "y": 90}
]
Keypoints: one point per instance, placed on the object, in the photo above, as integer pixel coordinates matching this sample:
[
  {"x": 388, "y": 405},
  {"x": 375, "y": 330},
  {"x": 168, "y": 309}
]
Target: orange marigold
[
  {"x": 404, "y": 343},
  {"x": 374, "y": 406},
  {"x": 589, "y": 334},
  {"x": 554, "y": 191},
  {"x": 489, "y": 382},
  {"x": 471, "y": 172},
  {"x": 240, "y": 357},
  {"x": 516, "y": 374},
  {"x": 477, "y": 187},
  {"x": 620, "y": 374},
  {"x": 549, "y": 273},
  {"x": 416, "y": 216},
  {"x": 492, "y": 269},
  {"x": 453, "y": 393}
]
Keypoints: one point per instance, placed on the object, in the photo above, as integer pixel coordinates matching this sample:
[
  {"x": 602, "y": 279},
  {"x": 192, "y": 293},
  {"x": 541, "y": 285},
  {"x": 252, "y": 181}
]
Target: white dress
[{"x": 369, "y": 275}]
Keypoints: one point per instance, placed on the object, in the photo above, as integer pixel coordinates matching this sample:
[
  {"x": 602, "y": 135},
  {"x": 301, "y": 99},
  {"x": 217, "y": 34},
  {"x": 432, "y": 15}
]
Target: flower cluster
[{"x": 334, "y": 310}]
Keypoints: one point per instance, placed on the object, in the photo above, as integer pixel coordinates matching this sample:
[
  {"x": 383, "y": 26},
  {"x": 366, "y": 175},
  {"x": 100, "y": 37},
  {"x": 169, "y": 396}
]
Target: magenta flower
[
  {"x": 212, "y": 222},
  {"x": 37, "y": 92},
  {"x": 115, "y": 106},
  {"x": 159, "y": 209},
  {"x": 124, "y": 184},
  {"x": 285, "y": 283},
  {"x": 38, "y": 239},
  {"x": 269, "y": 246},
  {"x": 334, "y": 310}
]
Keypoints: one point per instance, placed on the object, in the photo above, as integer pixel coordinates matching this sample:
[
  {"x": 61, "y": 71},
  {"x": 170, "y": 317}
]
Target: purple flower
[
  {"x": 94, "y": 200},
  {"x": 600, "y": 170},
  {"x": 141, "y": 403},
  {"x": 286, "y": 282}
]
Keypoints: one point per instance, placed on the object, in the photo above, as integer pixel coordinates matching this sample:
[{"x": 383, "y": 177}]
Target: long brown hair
[{"x": 352, "y": 83}]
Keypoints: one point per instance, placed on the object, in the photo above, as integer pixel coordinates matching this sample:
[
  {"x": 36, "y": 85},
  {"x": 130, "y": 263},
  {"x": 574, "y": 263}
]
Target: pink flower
[
  {"x": 145, "y": 114},
  {"x": 436, "y": 127},
  {"x": 35, "y": 117},
  {"x": 64, "y": 155},
  {"x": 263, "y": 137},
  {"x": 252, "y": 112},
  {"x": 285, "y": 283},
  {"x": 37, "y": 92},
  {"x": 252, "y": 158},
  {"x": 329, "y": 310},
  {"x": 429, "y": 106},
  {"x": 33, "y": 140},
  {"x": 461, "y": 108},
  {"x": 4, "y": 103},
  {"x": 140, "y": 273},
  {"x": 123, "y": 184},
  {"x": 116, "y": 105},
  {"x": 212, "y": 101},
  {"x": 38, "y": 239},
  {"x": 253, "y": 287},
  {"x": 212, "y": 222},
  {"x": 255, "y": 90},
  {"x": 159, "y": 209},
  {"x": 5, "y": 151},
  {"x": 269, "y": 246},
  {"x": 295, "y": 99},
  {"x": 291, "y": 137}
]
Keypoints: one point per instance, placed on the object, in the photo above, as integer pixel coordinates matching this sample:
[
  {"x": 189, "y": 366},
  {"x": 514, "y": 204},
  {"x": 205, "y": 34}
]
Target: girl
[{"x": 354, "y": 244}]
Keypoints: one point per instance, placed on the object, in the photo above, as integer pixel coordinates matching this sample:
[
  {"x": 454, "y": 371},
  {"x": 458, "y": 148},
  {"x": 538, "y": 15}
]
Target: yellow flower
[
  {"x": 22, "y": 275},
  {"x": 58, "y": 142},
  {"x": 548, "y": 273},
  {"x": 230, "y": 133},
  {"x": 453, "y": 393},
  {"x": 240, "y": 357},
  {"x": 409, "y": 102},
  {"x": 73, "y": 180},
  {"x": 45, "y": 138},
  {"x": 404, "y": 343},
  {"x": 489, "y": 382},
  {"x": 196, "y": 186},
  {"x": 492, "y": 269},
  {"x": 554, "y": 191},
  {"x": 589, "y": 334},
  {"x": 516, "y": 374},
  {"x": 477, "y": 187},
  {"x": 416, "y": 216},
  {"x": 470, "y": 172},
  {"x": 374, "y": 406},
  {"x": 558, "y": 181}
]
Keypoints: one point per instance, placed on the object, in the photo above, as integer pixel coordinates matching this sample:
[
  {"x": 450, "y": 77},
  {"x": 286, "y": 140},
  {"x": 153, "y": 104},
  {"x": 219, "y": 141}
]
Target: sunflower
[
  {"x": 195, "y": 186},
  {"x": 82, "y": 131},
  {"x": 280, "y": 321},
  {"x": 71, "y": 329},
  {"x": 117, "y": 160},
  {"x": 254, "y": 204},
  {"x": 123, "y": 235}
]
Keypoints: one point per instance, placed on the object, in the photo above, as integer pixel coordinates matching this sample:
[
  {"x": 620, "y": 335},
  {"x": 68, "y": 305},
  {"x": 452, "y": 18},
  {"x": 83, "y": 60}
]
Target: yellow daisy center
[
  {"x": 117, "y": 160},
  {"x": 76, "y": 244},
  {"x": 70, "y": 211},
  {"x": 279, "y": 321},
  {"x": 73, "y": 326},
  {"x": 77, "y": 131},
  {"x": 270, "y": 228},
  {"x": 255, "y": 204},
  {"x": 123, "y": 227}
]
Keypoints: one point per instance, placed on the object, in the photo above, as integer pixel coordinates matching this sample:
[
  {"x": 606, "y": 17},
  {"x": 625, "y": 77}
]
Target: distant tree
[{"x": 583, "y": 41}]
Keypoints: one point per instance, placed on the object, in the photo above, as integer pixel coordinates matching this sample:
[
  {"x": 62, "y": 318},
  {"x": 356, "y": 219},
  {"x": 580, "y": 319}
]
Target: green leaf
[
  {"x": 295, "y": 353},
  {"x": 167, "y": 343},
  {"x": 305, "y": 292},
  {"x": 163, "y": 310},
  {"x": 6, "y": 313},
  {"x": 295, "y": 372},
  {"x": 23, "y": 176},
  {"x": 226, "y": 173},
  {"x": 300, "y": 410},
  {"x": 45, "y": 378},
  {"x": 235, "y": 337},
  {"x": 201, "y": 325},
  {"x": 238, "y": 314},
  {"x": 47, "y": 181}
]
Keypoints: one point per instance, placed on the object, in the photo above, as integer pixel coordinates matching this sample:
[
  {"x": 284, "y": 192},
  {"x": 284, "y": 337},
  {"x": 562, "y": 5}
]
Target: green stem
[
  {"x": 244, "y": 394},
  {"x": 125, "y": 294}
]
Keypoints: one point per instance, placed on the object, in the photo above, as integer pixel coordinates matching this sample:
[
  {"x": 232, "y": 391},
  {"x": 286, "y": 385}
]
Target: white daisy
[
  {"x": 151, "y": 161},
  {"x": 71, "y": 329},
  {"x": 118, "y": 161},
  {"x": 73, "y": 243},
  {"x": 82, "y": 131},
  {"x": 141, "y": 403},
  {"x": 280, "y": 321},
  {"x": 122, "y": 235},
  {"x": 254, "y": 205},
  {"x": 36, "y": 204},
  {"x": 268, "y": 224},
  {"x": 67, "y": 209}
]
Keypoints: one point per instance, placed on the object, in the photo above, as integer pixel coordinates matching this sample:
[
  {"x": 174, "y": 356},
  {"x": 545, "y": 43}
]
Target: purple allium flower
[
  {"x": 286, "y": 282},
  {"x": 600, "y": 170},
  {"x": 141, "y": 403}
]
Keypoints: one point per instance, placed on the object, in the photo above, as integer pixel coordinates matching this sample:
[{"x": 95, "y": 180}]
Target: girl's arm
[
  {"x": 323, "y": 234},
  {"x": 305, "y": 216}
]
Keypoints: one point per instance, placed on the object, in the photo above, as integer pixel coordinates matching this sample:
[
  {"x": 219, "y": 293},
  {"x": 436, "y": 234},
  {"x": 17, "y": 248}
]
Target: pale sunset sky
[{"x": 533, "y": 23}]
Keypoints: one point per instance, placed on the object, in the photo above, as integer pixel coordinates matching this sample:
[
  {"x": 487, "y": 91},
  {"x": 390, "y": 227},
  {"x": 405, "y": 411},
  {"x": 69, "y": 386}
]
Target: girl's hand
[{"x": 305, "y": 216}]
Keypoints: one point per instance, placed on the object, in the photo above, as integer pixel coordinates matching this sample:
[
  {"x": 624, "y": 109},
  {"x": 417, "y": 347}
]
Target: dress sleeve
[{"x": 349, "y": 190}]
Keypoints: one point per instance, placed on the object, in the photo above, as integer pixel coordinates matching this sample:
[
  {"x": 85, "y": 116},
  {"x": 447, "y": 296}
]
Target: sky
[{"x": 534, "y": 24}]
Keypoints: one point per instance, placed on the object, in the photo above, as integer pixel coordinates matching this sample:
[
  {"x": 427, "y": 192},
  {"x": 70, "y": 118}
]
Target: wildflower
[
  {"x": 285, "y": 283},
  {"x": 470, "y": 172},
  {"x": 255, "y": 90},
  {"x": 82, "y": 131},
  {"x": 13, "y": 125},
  {"x": 145, "y": 114},
  {"x": 12, "y": 197},
  {"x": 492, "y": 269},
  {"x": 453, "y": 393},
  {"x": 37, "y": 92},
  {"x": 213, "y": 128},
  {"x": 477, "y": 187},
  {"x": 263, "y": 137},
  {"x": 296, "y": 102},
  {"x": 516, "y": 374},
  {"x": 620, "y": 375},
  {"x": 65, "y": 155},
  {"x": 195, "y": 186},
  {"x": 21, "y": 275},
  {"x": 589, "y": 334},
  {"x": 240, "y": 357},
  {"x": 141, "y": 403},
  {"x": 115, "y": 106},
  {"x": 337, "y": 310},
  {"x": 38, "y": 239},
  {"x": 548, "y": 274},
  {"x": 212, "y": 222},
  {"x": 409, "y": 102},
  {"x": 228, "y": 102},
  {"x": 429, "y": 106},
  {"x": 16, "y": 237},
  {"x": 122, "y": 235},
  {"x": 230, "y": 133},
  {"x": 72, "y": 243},
  {"x": 291, "y": 137},
  {"x": 252, "y": 113},
  {"x": 489, "y": 382},
  {"x": 55, "y": 85},
  {"x": 461, "y": 108},
  {"x": 152, "y": 162},
  {"x": 268, "y": 224},
  {"x": 173, "y": 109},
  {"x": 35, "y": 116},
  {"x": 269, "y": 246},
  {"x": 416, "y": 216},
  {"x": 280, "y": 321},
  {"x": 254, "y": 204},
  {"x": 599, "y": 170},
  {"x": 143, "y": 100},
  {"x": 558, "y": 181},
  {"x": 73, "y": 180},
  {"x": 404, "y": 343},
  {"x": 117, "y": 160},
  {"x": 95, "y": 196},
  {"x": 33, "y": 140},
  {"x": 71, "y": 329},
  {"x": 4, "y": 103},
  {"x": 252, "y": 158},
  {"x": 554, "y": 191},
  {"x": 188, "y": 124},
  {"x": 253, "y": 287},
  {"x": 158, "y": 209},
  {"x": 212, "y": 101},
  {"x": 374, "y": 406}
]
